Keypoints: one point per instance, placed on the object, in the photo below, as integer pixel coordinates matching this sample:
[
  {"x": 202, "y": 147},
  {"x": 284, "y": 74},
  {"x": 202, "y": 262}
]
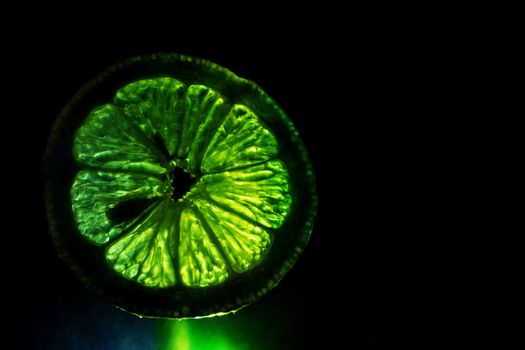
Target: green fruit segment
[
  {"x": 258, "y": 193},
  {"x": 157, "y": 107},
  {"x": 95, "y": 193},
  {"x": 109, "y": 140},
  {"x": 145, "y": 253},
  {"x": 201, "y": 262},
  {"x": 243, "y": 242},
  {"x": 205, "y": 110},
  {"x": 241, "y": 140}
]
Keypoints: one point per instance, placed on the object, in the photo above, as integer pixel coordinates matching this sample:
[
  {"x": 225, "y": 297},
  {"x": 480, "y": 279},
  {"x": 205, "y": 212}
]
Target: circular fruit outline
[{"x": 115, "y": 157}]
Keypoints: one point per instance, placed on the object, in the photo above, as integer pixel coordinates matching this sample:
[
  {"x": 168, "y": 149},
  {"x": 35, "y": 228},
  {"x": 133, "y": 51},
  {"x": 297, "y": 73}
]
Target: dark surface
[
  {"x": 182, "y": 182},
  {"x": 358, "y": 281}
]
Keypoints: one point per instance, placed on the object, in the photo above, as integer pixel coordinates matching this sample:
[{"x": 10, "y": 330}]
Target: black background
[{"x": 355, "y": 95}]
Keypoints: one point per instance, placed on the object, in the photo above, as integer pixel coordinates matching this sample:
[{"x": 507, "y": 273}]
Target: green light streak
[
  {"x": 265, "y": 325},
  {"x": 202, "y": 334}
]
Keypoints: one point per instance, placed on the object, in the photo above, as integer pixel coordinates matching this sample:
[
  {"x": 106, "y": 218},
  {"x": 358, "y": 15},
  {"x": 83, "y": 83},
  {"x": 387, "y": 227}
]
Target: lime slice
[{"x": 176, "y": 189}]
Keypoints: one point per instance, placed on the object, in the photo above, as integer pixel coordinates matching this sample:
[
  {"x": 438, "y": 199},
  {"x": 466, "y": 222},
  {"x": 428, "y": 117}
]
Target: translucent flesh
[
  {"x": 156, "y": 106},
  {"x": 223, "y": 224},
  {"x": 109, "y": 140},
  {"x": 259, "y": 193},
  {"x": 201, "y": 262},
  {"x": 243, "y": 242},
  {"x": 241, "y": 140},
  {"x": 144, "y": 253},
  {"x": 204, "y": 111},
  {"x": 94, "y": 193}
]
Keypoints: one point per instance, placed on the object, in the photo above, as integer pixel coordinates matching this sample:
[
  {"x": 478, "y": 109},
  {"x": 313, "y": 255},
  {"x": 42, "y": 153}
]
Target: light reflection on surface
[{"x": 200, "y": 334}]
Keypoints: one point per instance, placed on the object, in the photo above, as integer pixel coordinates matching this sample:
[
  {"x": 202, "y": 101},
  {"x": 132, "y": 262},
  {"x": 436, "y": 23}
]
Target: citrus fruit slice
[{"x": 176, "y": 189}]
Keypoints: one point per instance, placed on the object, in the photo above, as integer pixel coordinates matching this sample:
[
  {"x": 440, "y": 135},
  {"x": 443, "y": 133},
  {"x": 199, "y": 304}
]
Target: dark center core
[{"x": 181, "y": 183}]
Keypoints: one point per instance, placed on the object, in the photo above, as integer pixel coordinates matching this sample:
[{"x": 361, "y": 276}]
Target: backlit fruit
[{"x": 176, "y": 189}]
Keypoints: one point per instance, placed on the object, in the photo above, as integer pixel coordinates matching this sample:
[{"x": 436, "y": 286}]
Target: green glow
[
  {"x": 202, "y": 334},
  {"x": 222, "y": 225}
]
